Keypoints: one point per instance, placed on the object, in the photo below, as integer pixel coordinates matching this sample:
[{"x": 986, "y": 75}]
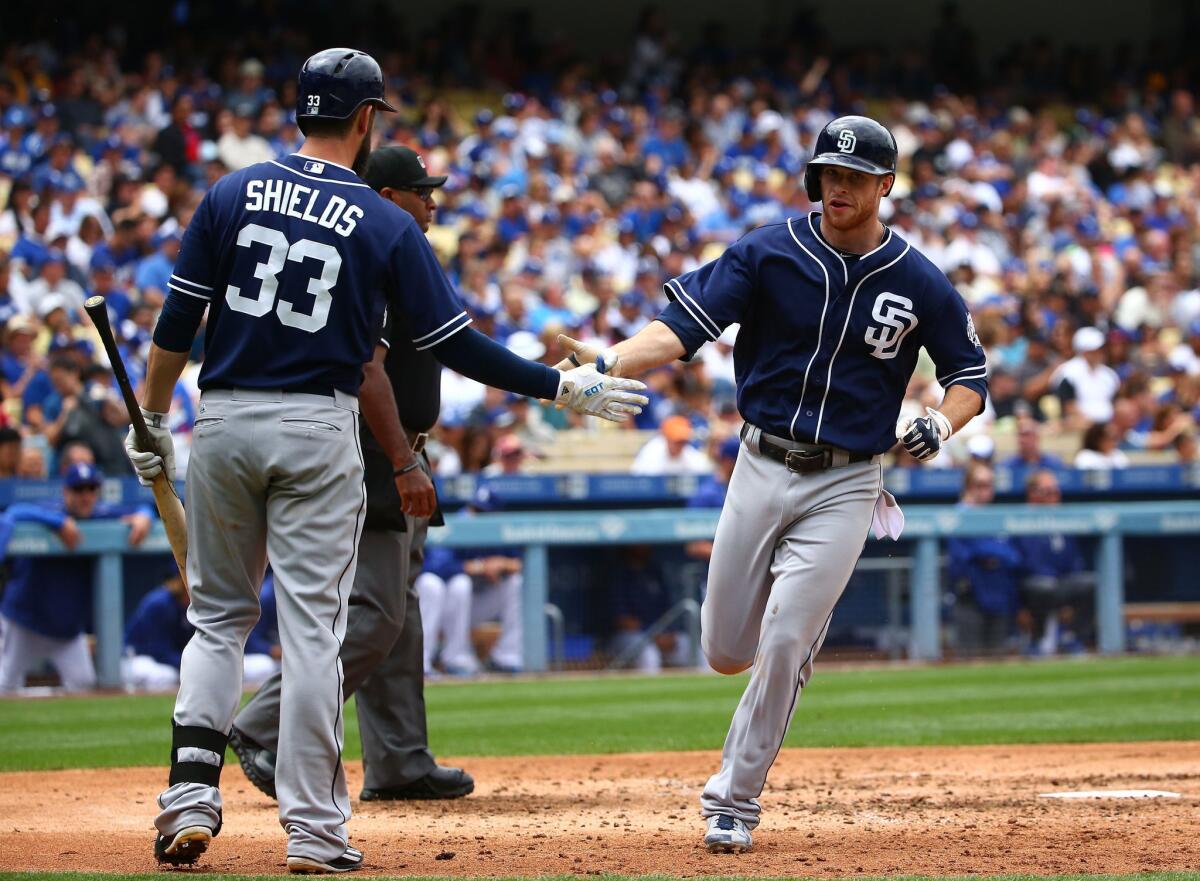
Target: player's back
[{"x": 293, "y": 258}]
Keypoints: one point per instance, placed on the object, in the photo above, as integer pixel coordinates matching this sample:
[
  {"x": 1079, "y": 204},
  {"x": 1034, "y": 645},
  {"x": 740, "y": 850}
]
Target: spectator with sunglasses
[{"x": 47, "y": 606}]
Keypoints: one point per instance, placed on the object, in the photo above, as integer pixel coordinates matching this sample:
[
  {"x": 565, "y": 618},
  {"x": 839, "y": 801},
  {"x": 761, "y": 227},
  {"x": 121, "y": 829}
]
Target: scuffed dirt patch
[{"x": 826, "y": 813}]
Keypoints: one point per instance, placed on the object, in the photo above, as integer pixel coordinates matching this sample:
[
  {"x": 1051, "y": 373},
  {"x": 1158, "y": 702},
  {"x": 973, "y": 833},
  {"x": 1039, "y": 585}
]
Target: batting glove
[
  {"x": 586, "y": 390},
  {"x": 923, "y": 437},
  {"x": 607, "y": 361},
  {"x": 149, "y": 463}
]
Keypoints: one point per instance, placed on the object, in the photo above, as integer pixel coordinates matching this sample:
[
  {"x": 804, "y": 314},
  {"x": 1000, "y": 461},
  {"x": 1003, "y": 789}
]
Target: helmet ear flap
[{"x": 812, "y": 182}]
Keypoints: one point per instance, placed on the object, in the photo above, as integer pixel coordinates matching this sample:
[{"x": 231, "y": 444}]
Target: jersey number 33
[{"x": 282, "y": 251}]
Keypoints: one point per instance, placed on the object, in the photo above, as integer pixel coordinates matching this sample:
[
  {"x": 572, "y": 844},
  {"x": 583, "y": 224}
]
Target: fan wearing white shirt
[
  {"x": 669, "y": 453},
  {"x": 1085, "y": 383}
]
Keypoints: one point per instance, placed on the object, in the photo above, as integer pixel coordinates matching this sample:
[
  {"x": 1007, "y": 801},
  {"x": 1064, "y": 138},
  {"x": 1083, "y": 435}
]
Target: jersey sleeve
[
  {"x": 707, "y": 300},
  {"x": 951, "y": 341},
  {"x": 435, "y": 312}
]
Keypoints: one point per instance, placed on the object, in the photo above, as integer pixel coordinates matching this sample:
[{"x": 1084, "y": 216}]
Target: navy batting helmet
[
  {"x": 851, "y": 142},
  {"x": 336, "y": 82}
]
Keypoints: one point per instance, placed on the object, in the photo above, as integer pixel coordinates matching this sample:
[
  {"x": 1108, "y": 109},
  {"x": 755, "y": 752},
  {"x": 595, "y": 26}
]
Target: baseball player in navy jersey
[
  {"x": 297, "y": 261},
  {"x": 833, "y": 308}
]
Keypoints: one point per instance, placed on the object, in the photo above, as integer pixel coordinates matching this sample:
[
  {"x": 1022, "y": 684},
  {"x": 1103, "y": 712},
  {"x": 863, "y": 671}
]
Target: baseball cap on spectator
[
  {"x": 484, "y": 117},
  {"x": 1087, "y": 339},
  {"x": 50, "y": 303},
  {"x": 981, "y": 446},
  {"x": 526, "y": 345},
  {"x": 82, "y": 474},
  {"x": 22, "y": 324},
  {"x": 676, "y": 428},
  {"x": 102, "y": 261}
]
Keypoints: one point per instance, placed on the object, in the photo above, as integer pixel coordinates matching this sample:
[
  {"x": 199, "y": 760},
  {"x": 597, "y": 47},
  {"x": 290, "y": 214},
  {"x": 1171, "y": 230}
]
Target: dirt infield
[{"x": 827, "y": 812}]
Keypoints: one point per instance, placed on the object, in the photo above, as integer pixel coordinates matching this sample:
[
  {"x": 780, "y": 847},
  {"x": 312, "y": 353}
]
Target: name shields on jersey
[{"x": 284, "y": 197}]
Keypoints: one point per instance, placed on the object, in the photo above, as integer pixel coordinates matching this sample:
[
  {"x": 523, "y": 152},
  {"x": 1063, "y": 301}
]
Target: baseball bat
[{"x": 170, "y": 508}]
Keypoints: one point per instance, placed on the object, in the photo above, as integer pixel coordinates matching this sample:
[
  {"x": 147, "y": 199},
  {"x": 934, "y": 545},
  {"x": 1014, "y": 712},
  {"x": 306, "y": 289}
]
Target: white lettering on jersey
[
  {"x": 302, "y": 203},
  {"x": 846, "y": 141},
  {"x": 971, "y": 334},
  {"x": 254, "y": 196},
  {"x": 895, "y": 314}
]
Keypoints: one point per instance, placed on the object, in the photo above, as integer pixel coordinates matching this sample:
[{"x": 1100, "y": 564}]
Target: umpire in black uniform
[{"x": 381, "y": 655}]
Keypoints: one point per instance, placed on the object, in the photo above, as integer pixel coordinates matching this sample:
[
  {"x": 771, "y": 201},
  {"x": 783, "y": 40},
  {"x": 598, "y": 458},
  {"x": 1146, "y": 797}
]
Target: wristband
[{"x": 415, "y": 463}]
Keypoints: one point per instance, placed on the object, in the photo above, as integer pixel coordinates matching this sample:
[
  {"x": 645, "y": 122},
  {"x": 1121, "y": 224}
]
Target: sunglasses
[
  {"x": 85, "y": 488},
  {"x": 420, "y": 192}
]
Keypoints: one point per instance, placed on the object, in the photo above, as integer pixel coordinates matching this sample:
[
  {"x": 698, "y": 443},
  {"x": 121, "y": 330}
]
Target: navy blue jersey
[
  {"x": 827, "y": 344},
  {"x": 295, "y": 259}
]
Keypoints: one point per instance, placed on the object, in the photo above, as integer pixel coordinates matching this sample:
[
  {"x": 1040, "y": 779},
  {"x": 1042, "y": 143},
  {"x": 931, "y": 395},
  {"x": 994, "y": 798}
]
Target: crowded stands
[{"x": 1056, "y": 190}]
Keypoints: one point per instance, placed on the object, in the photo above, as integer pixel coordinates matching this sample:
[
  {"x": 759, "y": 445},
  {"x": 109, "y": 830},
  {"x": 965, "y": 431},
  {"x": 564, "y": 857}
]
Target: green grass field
[{"x": 1089, "y": 700}]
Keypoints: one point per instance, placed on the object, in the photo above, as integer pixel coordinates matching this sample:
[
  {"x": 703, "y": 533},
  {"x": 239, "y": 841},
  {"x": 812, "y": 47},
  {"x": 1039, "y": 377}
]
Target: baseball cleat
[
  {"x": 349, "y": 861},
  {"x": 184, "y": 847},
  {"x": 727, "y": 834},
  {"x": 439, "y": 783},
  {"x": 258, "y": 762}
]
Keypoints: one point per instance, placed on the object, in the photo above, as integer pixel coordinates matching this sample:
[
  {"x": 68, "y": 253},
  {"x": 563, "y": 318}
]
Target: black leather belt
[
  {"x": 299, "y": 389},
  {"x": 799, "y": 457}
]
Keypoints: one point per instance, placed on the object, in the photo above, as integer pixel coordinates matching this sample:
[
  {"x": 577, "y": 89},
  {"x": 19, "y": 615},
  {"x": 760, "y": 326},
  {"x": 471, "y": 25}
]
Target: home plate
[{"x": 1112, "y": 793}]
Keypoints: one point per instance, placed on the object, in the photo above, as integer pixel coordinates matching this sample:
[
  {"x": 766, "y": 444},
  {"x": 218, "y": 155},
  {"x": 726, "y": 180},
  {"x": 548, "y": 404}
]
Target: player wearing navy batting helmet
[
  {"x": 299, "y": 264},
  {"x": 834, "y": 308}
]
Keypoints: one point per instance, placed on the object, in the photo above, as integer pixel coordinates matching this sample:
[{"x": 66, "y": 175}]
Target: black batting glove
[{"x": 923, "y": 436}]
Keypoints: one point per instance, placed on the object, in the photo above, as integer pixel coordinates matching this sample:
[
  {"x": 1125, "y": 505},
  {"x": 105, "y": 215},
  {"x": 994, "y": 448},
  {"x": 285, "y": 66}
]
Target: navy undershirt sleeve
[
  {"x": 484, "y": 360},
  {"x": 178, "y": 321}
]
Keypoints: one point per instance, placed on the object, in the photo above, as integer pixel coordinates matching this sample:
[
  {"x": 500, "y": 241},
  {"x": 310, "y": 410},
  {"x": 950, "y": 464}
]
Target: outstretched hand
[
  {"x": 586, "y": 390},
  {"x": 606, "y": 361}
]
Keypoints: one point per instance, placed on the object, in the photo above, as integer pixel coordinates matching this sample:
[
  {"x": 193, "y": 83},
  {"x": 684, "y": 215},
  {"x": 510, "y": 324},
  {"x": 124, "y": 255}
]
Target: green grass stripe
[{"x": 1061, "y": 701}]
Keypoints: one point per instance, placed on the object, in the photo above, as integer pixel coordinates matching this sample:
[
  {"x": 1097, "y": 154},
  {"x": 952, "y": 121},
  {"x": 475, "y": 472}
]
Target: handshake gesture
[{"x": 592, "y": 389}]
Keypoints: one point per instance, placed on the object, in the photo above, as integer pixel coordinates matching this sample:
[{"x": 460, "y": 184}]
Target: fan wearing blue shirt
[
  {"x": 153, "y": 272},
  {"x": 47, "y": 605}
]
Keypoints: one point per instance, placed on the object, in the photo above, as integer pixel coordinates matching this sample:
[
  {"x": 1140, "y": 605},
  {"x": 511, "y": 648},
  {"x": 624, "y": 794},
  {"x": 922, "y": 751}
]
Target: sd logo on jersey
[{"x": 895, "y": 314}]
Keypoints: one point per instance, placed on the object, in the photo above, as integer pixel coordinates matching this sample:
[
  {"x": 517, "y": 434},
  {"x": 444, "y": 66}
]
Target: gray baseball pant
[
  {"x": 381, "y": 659},
  {"x": 785, "y": 547},
  {"x": 278, "y": 474}
]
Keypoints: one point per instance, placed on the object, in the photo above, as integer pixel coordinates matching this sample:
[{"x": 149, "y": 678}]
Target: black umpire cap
[{"x": 399, "y": 168}]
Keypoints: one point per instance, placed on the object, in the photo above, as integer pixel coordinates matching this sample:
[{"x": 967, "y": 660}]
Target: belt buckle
[
  {"x": 807, "y": 461},
  {"x": 418, "y": 443}
]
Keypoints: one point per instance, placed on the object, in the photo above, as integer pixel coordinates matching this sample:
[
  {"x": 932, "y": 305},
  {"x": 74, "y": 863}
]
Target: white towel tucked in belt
[{"x": 887, "y": 518}]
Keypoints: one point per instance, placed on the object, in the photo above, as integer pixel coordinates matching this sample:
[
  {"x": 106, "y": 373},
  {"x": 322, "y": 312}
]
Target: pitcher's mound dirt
[{"x": 928, "y": 811}]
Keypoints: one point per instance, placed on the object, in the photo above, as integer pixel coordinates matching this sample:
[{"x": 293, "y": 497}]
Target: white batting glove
[
  {"x": 923, "y": 436},
  {"x": 148, "y": 463},
  {"x": 586, "y": 390}
]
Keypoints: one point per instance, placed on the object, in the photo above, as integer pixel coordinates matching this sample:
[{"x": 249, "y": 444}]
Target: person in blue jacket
[
  {"x": 984, "y": 576},
  {"x": 1057, "y": 590},
  {"x": 156, "y": 635},
  {"x": 47, "y": 605},
  {"x": 159, "y": 630}
]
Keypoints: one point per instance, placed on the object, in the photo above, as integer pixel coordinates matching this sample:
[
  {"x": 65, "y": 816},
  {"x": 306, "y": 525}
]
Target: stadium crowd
[
  {"x": 1060, "y": 199},
  {"x": 1056, "y": 188}
]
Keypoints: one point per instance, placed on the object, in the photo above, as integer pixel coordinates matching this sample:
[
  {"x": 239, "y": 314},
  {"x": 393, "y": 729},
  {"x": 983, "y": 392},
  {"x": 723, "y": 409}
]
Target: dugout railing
[{"x": 537, "y": 532}]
